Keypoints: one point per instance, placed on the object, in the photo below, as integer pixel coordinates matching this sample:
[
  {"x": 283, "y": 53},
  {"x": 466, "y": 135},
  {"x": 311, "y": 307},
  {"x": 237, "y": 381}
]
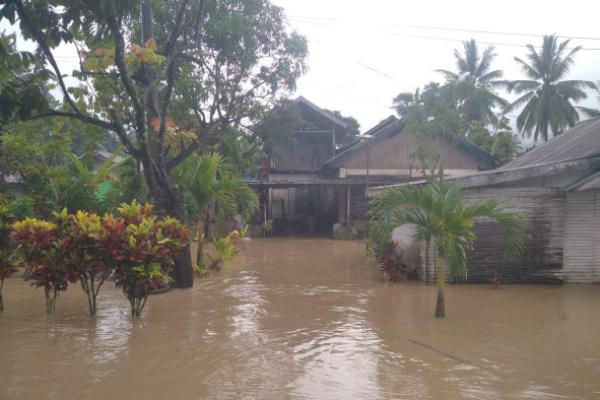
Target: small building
[
  {"x": 557, "y": 185},
  {"x": 317, "y": 180}
]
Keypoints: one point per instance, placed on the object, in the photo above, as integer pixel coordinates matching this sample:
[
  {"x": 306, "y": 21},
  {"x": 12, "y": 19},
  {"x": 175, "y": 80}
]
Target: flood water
[{"x": 304, "y": 319}]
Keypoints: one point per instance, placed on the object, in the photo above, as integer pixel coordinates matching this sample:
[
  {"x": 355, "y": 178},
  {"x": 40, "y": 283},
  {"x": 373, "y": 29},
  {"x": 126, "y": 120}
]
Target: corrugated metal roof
[
  {"x": 581, "y": 141},
  {"x": 590, "y": 182}
]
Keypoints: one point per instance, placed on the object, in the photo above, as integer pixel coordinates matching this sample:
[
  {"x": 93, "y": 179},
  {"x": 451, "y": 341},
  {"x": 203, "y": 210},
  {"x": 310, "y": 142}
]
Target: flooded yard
[{"x": 304, "y": 319}]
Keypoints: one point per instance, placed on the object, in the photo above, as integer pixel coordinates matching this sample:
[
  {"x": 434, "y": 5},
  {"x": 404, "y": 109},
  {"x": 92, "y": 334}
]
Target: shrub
[
  {"x": 225, "y": 250},
  {"x": 139, "y": 247},
  {"x": 84, "y": 253},
  {"x": 40, "y": 242},
  {"x": 143, "y": 248}
]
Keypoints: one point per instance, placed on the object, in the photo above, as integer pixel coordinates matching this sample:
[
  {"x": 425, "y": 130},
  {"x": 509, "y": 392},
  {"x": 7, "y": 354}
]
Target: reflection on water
[{"x": 304, "y": 319}]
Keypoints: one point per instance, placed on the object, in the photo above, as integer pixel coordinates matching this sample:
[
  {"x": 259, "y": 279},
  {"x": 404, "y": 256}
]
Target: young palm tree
[
  {"x": 546, "y": 99},
  {"x": 216, "y": 189},
  {"x": 442, "y": 217}
]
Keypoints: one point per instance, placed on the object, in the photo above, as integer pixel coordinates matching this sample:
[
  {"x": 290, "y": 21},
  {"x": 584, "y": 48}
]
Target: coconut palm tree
[
  {"x": 545, "y": 98},
  {"x": 216, "y": 189},
  {"x": 441, "y": 216},
  {"x": 474, "y": 66},
  {"x": 472, "y": 85},
  {"x": 589, "y": 111}
]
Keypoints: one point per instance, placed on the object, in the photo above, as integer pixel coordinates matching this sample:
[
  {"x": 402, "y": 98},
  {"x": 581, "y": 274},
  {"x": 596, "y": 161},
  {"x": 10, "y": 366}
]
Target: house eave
[{"x": 496, "y": 177}]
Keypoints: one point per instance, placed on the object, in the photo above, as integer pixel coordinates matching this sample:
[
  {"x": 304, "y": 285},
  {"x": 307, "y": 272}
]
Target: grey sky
[{"x": 364, "y": 53}]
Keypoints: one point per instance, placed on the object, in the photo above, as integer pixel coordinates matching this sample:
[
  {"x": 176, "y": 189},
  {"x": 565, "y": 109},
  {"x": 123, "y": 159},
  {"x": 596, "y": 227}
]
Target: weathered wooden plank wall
[
  {"x": 358, "y": 203},
  {"x": 395, "y": 152},
  {"x": 542, "y": 261}
]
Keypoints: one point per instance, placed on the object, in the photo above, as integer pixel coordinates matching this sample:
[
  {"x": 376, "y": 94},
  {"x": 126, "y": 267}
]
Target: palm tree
[
  {"x": 473, "y": 66},
  {"x": 443, "y": 219},
  {"x": 472, "y": 85},
  {"x": 546, "y": 99},
  {"x": 592, "y": 112},
  {"x": 216, "y": 189}
]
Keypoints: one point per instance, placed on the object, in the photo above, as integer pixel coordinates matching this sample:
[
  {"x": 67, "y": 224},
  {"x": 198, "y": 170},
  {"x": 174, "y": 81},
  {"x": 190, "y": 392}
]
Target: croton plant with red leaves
[
  {"x": 41, "y": 243},
  {"x": 136, "y": 246},
  {"x": 143, "y": 248}
]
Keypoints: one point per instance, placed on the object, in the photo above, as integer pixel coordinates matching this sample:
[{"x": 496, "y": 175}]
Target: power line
[
  {"x": 446, "y": 39},
  {"x": 373, "y": 69},
  {"x": 451, "y": 29},
  {"x": 519, "y": 34},
  {"x": 501, "y": 44}
]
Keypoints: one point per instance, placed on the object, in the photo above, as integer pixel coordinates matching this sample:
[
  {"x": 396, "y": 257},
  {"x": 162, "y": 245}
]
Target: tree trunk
[
  {"x": 200, "y": 241},
  {"x": 51, "y": 295},
  {"x": 1, "y": 299},
  {"x": 440, "y": 306},
  {"x": 427, "y": 269},
  {"x": 170, "y": 200}
]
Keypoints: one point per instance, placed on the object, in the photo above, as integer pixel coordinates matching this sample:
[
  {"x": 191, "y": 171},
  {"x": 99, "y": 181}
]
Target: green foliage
[
  {"x": 197, "y": 69},
  {"x": 440, "y": 213},
  {"x": 506, "y": 144},
  {"x": 212, "y": 181},
  {"x": 225, "y": 249},
  {"x": 40, "y": 243},
  {"x": 136, "y": 246},
  {"x": 545, "y": 99},
  {"x": 142, "y": 248},
  {"x": 85, "y": 257},
  {"x": 9, "y": 258},
  {"x": 41, "y": 156}
]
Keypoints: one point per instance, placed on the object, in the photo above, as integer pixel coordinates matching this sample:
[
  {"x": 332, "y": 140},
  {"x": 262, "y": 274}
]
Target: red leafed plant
[
  {"x": 142, "y": 247},
  {"x": 42, "y": 245},
  {"x": 84, "y": 254}
]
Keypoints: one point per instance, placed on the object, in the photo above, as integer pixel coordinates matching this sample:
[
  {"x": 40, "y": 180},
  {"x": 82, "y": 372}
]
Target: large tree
[
  {"x": 545, "y": 97},
  {"x": 165, "y": 76}
]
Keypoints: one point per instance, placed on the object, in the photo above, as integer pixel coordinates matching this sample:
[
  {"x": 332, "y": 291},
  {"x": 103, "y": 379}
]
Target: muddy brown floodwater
[{"x": 304, "y": 319}]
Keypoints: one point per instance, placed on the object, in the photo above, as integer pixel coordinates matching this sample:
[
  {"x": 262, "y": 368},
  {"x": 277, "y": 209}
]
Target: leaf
[{"x": 151, "y": 44}]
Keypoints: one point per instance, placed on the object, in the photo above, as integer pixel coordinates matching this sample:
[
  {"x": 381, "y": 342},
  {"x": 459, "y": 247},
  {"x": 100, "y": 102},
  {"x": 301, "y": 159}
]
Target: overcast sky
[{"x": 363, "y": 53}]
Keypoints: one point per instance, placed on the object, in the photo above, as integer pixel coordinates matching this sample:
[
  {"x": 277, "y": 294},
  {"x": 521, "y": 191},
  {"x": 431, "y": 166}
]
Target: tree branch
[
  {"x": 81, "y": 117},
  {"x": 124, "y": 72},
  {"x": 185, "y": 153},
  {"x": 39, "y": 38},
  {"x": 171, "y": 50}
]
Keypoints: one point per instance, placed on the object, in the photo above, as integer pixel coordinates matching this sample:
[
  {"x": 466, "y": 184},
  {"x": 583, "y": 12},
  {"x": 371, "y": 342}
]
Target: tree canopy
[
  {"x": 165, "y": 83},
  {"x": 545, "y": 97}
]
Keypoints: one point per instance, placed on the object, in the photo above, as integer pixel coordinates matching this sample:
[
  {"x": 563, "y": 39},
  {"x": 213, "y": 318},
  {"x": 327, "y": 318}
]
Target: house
[
  {"x": 316, "y": 182},
  {"x": 557, "y": 185}
]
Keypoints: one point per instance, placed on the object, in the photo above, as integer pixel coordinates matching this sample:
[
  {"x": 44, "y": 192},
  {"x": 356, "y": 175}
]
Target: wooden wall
[
  {"x": 305, "y": 153},
  {"x": 542, "y": 260},
  {"x": 395, "y": 151}
]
